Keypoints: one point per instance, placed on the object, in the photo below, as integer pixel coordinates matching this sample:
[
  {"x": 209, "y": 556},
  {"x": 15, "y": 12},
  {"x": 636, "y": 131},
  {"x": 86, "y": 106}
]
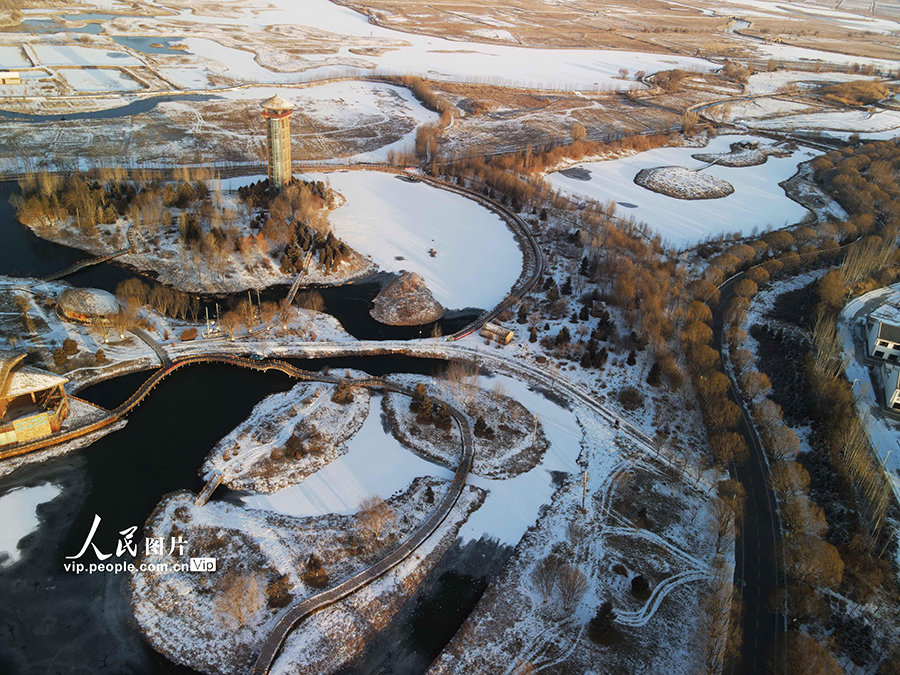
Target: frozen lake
[
  {"x": 397, "y": 222},
  {"x": 18, "y": 507},
  {"x": 758, "y": 201}
]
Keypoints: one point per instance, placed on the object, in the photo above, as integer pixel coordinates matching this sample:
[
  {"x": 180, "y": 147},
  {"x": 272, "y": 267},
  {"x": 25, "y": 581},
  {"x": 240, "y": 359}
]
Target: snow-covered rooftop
[
  {"x": 87, "y": 302},
  {"x": 25, "y": 380},
  {"x": 277, "y": 103},
  {"x": 889, "y": 311}
]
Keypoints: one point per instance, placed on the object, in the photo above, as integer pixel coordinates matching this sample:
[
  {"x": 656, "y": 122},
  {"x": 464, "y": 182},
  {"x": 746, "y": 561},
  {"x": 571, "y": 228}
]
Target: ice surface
[{"x": 20, "y": 516}]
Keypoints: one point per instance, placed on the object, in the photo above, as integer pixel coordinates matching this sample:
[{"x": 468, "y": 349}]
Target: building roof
[
  {"x": 8, "y": 361},
  {"x": 26, "y": 379},
  {"x": 888, "y": 331},
  {"x": 87, "y": 302},
  {"x": 495, "y": 329},
  {"x": 277, "y": 103}
]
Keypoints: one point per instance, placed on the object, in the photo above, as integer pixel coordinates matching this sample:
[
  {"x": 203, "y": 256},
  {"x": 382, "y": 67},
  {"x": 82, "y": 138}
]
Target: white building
[
  {"x": 890, "y": 377},
  {"x": 883, "y": 332}
]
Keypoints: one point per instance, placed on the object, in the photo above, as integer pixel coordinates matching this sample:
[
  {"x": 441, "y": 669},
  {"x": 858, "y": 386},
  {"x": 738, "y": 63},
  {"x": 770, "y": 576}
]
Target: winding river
[{"x": 56, "y": 621}]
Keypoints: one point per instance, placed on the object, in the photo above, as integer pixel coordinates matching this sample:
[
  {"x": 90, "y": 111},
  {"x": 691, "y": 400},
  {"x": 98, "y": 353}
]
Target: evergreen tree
[
  {"x": 563, "y": 337},
  {"x": 584, "y": 314},
  {"x": 567, "y": 287},
  {"x": 603, "y": 622},
  {"x": 586, "y": 359},
  {"x": 632, "y": 358},
  {"x": 533, "y": 336},
  {"x": 426, "y": 409},
  {"x": 654, "y": 377}
]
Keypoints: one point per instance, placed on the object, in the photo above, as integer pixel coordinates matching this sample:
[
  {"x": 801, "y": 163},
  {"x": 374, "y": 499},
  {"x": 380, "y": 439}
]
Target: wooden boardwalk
[
  {"x": 87, "y": 262},
  {"x": 293, "y": 616}
]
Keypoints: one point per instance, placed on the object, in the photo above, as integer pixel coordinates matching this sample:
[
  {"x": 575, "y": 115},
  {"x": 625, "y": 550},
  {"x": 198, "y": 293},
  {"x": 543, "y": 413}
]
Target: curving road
[{"x": 758, "y": 548}]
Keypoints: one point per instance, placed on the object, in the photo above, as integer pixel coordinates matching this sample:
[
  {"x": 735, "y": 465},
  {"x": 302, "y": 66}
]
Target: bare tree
[
  {"x": 544, "y": 575},
  {"x": 720, "y": 628},
  {"x": 230, "y": 321},
  {"x": 788, "y": 479},
  {"x": 461, "y": 377},
  {"x": 267, "y": 313},
  {"x": 240, "y": 596},
  {"x": 803, "y": 516},
  {"x": 375, "y": 518},
  {"x": 813, "y": 561},
  {"x": 123, "y": 320},
  {"x": 572, "y": 584},
  {"x": 246, "y": 310},
  {"x": 311, "y": 300},
  {"x": 754, "y": 384}
]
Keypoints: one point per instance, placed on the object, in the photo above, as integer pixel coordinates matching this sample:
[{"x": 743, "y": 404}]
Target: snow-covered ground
[
  {"x": 349, "y": 107},
  {"x": 377, "y": 464},
  {"x": 99, "y": 79},
  {"x": 374, "y": 464},
  {"x": 13, "y": 57},
  {"x": 771, "y": 82},
  {"x": 397, "y": 222},
  {"x": 848, "y": 20},
  {"x": 66, "y": 55},
  {"x": 758, "y": 201},
  {"x": 20, "y": 517},
  {"x": 882, "y": 122},
  {"x": 341, "y": 29},
  {"x": 457, "y": 60}
]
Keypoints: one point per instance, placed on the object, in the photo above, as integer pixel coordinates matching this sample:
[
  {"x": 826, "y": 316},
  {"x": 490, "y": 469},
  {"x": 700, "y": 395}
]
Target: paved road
[
  {"x": 164, "y": 359},
  {"x": 759, "y": 546}
]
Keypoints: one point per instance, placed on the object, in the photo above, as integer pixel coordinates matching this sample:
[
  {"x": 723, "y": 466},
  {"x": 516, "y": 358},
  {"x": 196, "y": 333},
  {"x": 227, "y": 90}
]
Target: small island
[{"x": 406, "y": 301}]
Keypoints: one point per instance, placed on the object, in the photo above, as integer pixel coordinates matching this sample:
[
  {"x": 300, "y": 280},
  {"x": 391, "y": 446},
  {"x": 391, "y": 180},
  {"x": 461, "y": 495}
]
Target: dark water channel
[
  {"x": 52, "y": 620},
  {"x": 56, "y": 621},
  {"x": 25, "y": 254}
]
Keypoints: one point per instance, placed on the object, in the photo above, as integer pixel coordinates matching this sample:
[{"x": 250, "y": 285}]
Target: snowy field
[
  {"x": 20, "y": 517},
  {"x": 377, "y": 464},
  {"x": 886, "y": 123},
  {"x": 13, "y": 57},
  {"x": 397, "y": 222},
  {"x": 350, "y": 107},
  {"x": 847, "y": 20},
  {"x": 770, "y": 83},
  {"x": 63, "y": 55},
  {"x": 97, "y": 79},
  {"x": 405, "y": 53},
  {"x": 758, "y": 201}
]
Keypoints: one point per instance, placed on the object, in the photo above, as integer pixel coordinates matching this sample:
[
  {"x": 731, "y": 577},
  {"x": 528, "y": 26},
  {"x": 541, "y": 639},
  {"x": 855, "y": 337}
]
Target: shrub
[
  {"x": 343, "y": 394},
  {"x": 70, "y": 347},
  {"x": 630, "y": 398},
  {"x": 189, "y": 334},
  {"x": 640, "y": 588},
  {"x": 601, "y": 628}
]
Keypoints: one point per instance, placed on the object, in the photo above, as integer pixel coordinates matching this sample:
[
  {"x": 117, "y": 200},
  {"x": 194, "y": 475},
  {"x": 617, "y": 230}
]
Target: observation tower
[{"x": 277, "y": 113}]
